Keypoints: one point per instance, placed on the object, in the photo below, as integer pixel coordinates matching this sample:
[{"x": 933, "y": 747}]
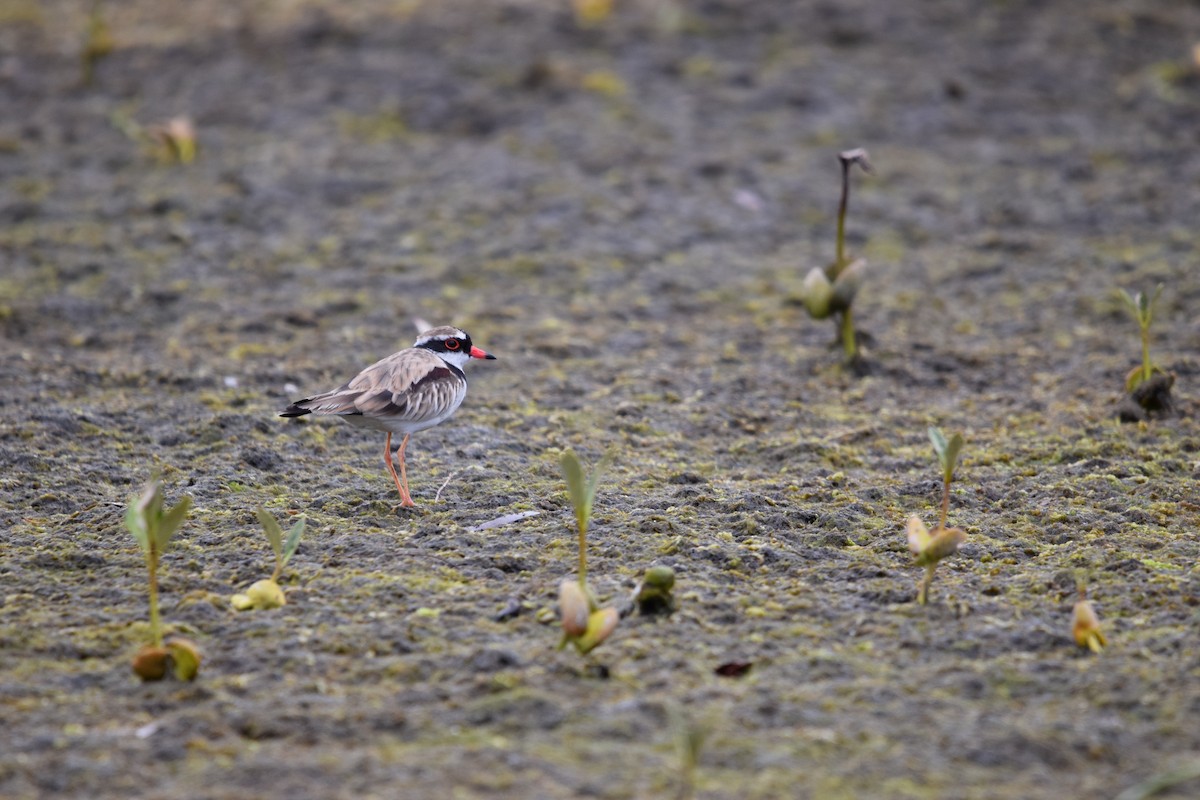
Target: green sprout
[
  {"x": 831, "y": 290},
  {"x": 653, "y": 593},
  {"x": 582, "y": 491},
  {"x": 266, "y": 593},
  {"x": 584, "y": 623},
  {"x": 928, "y": 546},
  {"x": 1141, "y": 306},
  {"x": 152, "y": 525},
  {"x": 947, "y": 453}
]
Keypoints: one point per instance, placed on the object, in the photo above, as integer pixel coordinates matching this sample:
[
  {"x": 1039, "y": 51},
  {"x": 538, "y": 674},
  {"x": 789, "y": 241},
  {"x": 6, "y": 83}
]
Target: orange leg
[{"x": 401, "y": 483}]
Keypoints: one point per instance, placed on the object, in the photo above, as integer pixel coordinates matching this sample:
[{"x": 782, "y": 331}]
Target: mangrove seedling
[
  {"x": 928, "y": 546},
  {"x": 947, "y": 452},
  {"x": 831, "y": 290},
  {"x": 653, "y": 593},
  {"x": 1085, "y": 625},
  {"x": 153, "y": 525},
  {"x": 582, "y": 491},
  {"x": 174, "y": 140},
  {"x": 584, "y": 623},
  {"x": 1148, "y": 385},
  {"x": 266, "y": 593},
  {"x": 1141, "y": 306}
]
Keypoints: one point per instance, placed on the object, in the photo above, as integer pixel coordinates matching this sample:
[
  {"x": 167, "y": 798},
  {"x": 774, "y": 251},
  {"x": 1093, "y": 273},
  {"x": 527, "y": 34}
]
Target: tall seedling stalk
[
  {"x": 947, "y": 453},
  {"x": 928, "y": 546},
  {"x": 582, "y": 491},
  {"x": 831, "y": 289},
  {"x": 153, "y": 526},
  {"x": 848, "y": 158},
  {"x": 584, "y": 623},
  {"x": 1141, "y": 306}
]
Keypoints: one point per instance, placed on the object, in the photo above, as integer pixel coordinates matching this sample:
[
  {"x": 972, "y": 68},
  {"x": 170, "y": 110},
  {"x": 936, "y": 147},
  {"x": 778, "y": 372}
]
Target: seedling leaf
[
  {"x": 274, "y": 532},
  {"x": 939, "y": 442},
  {"x": 947, "y": 450},
  {"x": 136, "y": 522},
  {"x": 918, "y": 535},
  {"x": 581, "y": 489},
  {"x": 293, "y": 540},
  {"x": 170, "y": 522},
  {"x": 599, "y": 625},
  {"x": 601, "y": 466},
  {"x": 185, "y": 656},
  {"x": 943, "y": 542},
  {"x": 577, "y": 488}
]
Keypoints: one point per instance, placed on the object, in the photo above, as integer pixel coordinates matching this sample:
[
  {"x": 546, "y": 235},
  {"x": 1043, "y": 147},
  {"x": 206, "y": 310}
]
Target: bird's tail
[{"x": 296, "y": 409}]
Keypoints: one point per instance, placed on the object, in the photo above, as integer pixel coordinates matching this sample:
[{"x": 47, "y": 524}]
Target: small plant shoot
[
  {"x": 928, "y": 546},
  {"x": 1141, "y": 306},
  {"x": 174, "y": 141},
  {"x": 1148, "y": 385},
  {"x": 584, "y": 623},
  {"x": 1085, "y": 625},
  {"x": 153, "y": 525},
  {"x": 266, "y": 593},
  {"x": 653, "y": 594},
  {"x": 947, "y": 453},
  {"x": 831, "y": 290},
  {"x": 582, "y": 491}
]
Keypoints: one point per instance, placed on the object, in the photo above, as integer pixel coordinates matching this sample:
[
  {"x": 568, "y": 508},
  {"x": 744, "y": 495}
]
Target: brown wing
[{"x": 412, "y": 386}]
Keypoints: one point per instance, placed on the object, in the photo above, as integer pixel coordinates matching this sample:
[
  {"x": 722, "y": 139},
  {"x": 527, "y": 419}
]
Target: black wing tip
[{"x": 295, "y": 410}]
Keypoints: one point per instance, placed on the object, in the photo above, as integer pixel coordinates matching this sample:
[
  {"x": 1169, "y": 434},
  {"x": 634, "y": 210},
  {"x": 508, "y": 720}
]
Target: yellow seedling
[
  {"x": 185, "y": 657},
  {"x": 175, "y": 140},
  {"x": 1085, "y": 625},
  {"x": 930, "y": 547},
  {"x": 600, "y": 624},
  {"x": 266, "y": 593}
]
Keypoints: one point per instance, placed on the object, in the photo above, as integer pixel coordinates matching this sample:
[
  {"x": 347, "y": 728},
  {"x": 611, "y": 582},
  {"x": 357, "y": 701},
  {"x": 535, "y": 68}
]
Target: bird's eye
[{"x": 452, "y": 344}]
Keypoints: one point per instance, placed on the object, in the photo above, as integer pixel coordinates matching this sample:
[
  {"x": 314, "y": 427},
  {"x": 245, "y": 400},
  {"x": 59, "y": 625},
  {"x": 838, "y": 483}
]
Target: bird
[{"x": 409, "y": 391}]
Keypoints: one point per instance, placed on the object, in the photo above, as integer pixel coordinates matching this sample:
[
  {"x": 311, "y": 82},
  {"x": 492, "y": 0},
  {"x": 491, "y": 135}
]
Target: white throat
[{"x": 458, "y": 359}]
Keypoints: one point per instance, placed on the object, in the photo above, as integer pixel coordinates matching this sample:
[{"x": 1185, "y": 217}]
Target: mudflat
[{"x": 623, "y": 210}]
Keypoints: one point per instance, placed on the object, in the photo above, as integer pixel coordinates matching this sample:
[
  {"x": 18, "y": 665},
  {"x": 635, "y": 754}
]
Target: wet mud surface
[{"x": 624, "y": 215}]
